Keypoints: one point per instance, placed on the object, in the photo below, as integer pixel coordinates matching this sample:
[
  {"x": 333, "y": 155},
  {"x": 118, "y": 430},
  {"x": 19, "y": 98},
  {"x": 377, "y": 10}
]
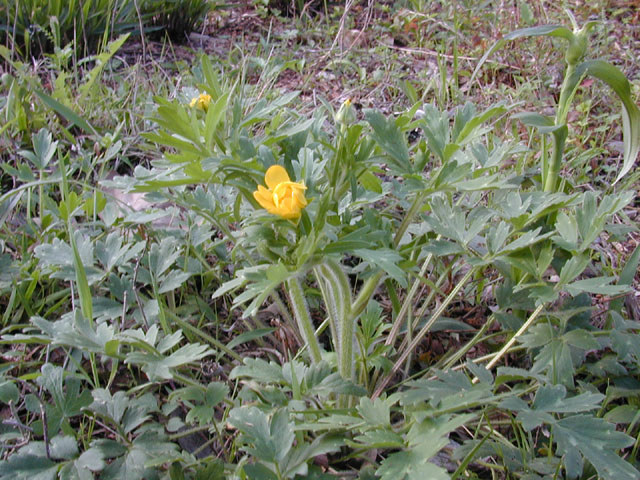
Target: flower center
[{"x": 283, "y": 190}]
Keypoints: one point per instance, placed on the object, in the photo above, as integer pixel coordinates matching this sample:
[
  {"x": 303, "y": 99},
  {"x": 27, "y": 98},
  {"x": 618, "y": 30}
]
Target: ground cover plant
[{"x": 362, "y": 241}]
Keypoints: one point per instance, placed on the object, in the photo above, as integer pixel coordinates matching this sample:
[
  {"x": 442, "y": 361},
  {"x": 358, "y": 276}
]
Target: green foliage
[{"x": 576, "y": 435}]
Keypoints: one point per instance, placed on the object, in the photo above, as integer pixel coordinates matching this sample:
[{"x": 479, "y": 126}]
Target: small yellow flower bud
[{"x": 202, "y": 101}]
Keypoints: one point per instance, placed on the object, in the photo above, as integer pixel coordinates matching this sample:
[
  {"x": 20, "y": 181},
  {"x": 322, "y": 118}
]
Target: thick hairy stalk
[
  {"x": 336, "y": 293},
  {"x": 303, "y": 319},
  {"x": 332, "y": 308},
  {"x": 553, "y": 169},
  {"x": 559, "y": 136}
]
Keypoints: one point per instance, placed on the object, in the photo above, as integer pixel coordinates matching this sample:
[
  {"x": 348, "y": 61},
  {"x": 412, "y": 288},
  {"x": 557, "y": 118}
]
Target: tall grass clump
[{"x": 34, "y": 27}]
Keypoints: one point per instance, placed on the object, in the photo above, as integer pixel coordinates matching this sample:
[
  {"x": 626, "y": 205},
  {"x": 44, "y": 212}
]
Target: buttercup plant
[{"x": 330, "y": 219}]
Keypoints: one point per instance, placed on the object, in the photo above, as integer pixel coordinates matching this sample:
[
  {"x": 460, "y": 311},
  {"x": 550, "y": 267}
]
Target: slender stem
[
  {"x": 513, "y": 339},
  {"x": 477, "y": 338},
  {"x": 395, "y": 329},
  {"x": 566, "y": 95},
  {"x": 479, "y": 360},
  {"x": 411, "y": 324},
  {"x": 178, "y": 377},
  {"x": 366, "y": 292},
  {"x": 205, "y": 336},
  {"x": 284, "y": 311},
  {"x": 391, "y": 338},
  {"x": 94, "y": 370},
  {"x": 427, "y": 326},
  {"x": 301, "y": 314},
  {"x": 408, "y": 218},
  {"x": 425, "y": 304},
  {"x": 41, "y": 197}
]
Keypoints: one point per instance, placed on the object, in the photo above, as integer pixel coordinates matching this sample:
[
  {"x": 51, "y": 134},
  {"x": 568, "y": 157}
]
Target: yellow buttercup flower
[
  {"x": 202, "y": 101},
  {"x": 283, "y": 197}
]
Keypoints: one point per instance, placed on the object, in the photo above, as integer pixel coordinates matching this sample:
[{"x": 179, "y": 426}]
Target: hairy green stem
[
  {"x": 347, "y": 321},
  {"x": 336, "y": 293},
  {"x": 332, "y": 311},
  {"x": 301, "y": 314}
]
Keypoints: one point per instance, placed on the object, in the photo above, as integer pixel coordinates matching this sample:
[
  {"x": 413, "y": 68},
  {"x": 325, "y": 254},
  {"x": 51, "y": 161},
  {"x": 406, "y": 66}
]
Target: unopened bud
[
  {"x": 345, "y": 114},
  {"x": 578, "y": 47}
]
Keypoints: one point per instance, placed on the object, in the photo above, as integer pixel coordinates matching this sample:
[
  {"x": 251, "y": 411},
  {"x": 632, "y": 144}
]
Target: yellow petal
[
  {"x": 263, "y": 197},
  {"x": 205, "y": 100},
  {"x": 288, "y": 209},
  {"x": 298, "y": 194},
  {"x": 272, "y": 209},
  {"x": 275, "y": 175}
]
